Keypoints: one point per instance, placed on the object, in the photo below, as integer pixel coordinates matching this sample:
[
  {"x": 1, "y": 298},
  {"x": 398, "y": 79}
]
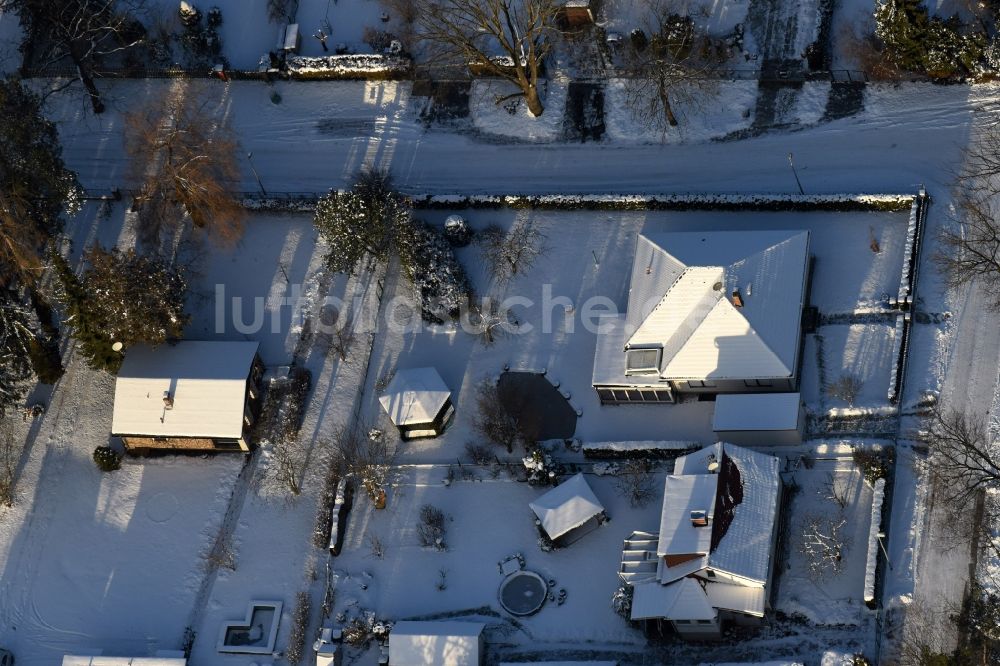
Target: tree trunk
[
  {"x": 88, "y": 81},
  {"x": 532, "y": 100},
  {"x": 668, "y": 110}
]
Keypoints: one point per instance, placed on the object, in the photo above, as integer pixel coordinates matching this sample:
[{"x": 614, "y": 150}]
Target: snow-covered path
[{"x": 321, "y": 134}]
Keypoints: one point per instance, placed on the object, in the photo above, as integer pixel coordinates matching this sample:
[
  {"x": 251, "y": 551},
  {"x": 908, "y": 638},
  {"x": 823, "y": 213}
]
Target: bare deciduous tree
[
  {"x": 971, "y": 252},
  {"x": 488, "y": 320},
  {"x": 835, "y": 489},
  {"x": 963, "y": 456},
  {"x": 511, "y": 253},
  {"x": 824, "y": 544},
  {"x": 279, "y": 11},
  {"x": 85, "y": 31},
  {"x": 634, "y": 482},
  {"x": 375, "y": 546},
  {"x": 672, "y": 65},
  {"x": 186, "y": 161},
  {"x": 432, "y": 528},
  {"x": 364, "y": 454},
  {"x": 471, "y": 32},
  {"x": 846, "y": 388},
  {"x": 502, "y": 416}
]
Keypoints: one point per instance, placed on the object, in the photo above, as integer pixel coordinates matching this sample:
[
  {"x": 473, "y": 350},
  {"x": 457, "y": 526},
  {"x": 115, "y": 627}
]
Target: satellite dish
[
  {"x": 118, "y": 346},
  {"x": 713, "y": 466}
]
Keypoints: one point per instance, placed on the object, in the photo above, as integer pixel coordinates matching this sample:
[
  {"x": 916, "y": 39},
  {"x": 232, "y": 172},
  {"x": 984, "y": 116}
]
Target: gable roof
[
  {"x": 443, "y": 643},
  {"x": 679, "y": 299},
  {"x": 414, "y": 396},
  {"x": 567, "y": 506},
  {"x": 744, "y": 494},
  {"x": 207, "y": 381}
]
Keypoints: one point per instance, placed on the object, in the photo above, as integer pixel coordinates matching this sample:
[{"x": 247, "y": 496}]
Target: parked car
[{"x": 6, "y": 658}]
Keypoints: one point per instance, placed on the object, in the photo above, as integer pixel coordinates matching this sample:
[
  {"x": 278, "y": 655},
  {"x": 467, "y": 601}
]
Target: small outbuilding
[
  {"x": 192, "y": 395},
  {"x": 418, "y": 402},
  {"x": 569, "y": 510},
  {"x": 759, "y": 419},
  {"x": 450, "y": 643},
  {"x": 576, "y": 13}
]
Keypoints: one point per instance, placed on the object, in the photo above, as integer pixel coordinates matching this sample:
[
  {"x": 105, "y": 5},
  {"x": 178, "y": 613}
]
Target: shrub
[
  {"x": 45, "y": 360},
  {"x": 457, "y": 231},
  {"x": 107, "y": 459},
  {"x": 872, "y": 463},
  {"x": 300, "y": 625},
  {"x": 431, "y": 265},
  {"x": 431, "y": 529}
]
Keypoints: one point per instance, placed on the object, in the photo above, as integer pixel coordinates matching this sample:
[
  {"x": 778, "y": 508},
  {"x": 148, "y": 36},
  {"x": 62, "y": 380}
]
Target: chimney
[
  {"x": 699, "y": 519},
  {"x": 737, "y": 298},
  {"x": 168, "y": 400}
]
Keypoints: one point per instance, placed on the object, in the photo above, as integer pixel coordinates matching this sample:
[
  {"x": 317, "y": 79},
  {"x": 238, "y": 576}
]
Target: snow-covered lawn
[
  {"x": 862, "y": 351},
  {"x": 511, "y": 118},
  {"x": 488, "y": 520},
  {"x": 833, "y": 597},
  {"x": 713, "y": 17},
  {"x": 103, "y": 561},
  {"x": 702, "y": 115}
]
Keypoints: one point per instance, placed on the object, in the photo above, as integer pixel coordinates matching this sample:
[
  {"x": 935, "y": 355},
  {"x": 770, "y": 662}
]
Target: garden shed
[
  {"x": 569, "y": 510},
  {"x": 759, "y": 419},
  {"x": 418, "y": 402},
  {"x": 451, "y": 643}
]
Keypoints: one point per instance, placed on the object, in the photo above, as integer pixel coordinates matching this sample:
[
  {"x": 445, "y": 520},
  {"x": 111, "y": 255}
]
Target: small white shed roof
[
  {"x": 682, "y": 600},
  {"x": 414, "y": 396},
  {"x": 207, "y": 381},
  {"x": 451, "y": 643},
  {"x": 756, "y": 411},
  {"x": 567, "y": 506}
]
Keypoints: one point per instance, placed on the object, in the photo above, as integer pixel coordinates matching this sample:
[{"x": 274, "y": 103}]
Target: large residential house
[
  {"x": 192, "y": 395},
  {"x": 708, "y": 312},
  {"x": 712, "y": 560}
]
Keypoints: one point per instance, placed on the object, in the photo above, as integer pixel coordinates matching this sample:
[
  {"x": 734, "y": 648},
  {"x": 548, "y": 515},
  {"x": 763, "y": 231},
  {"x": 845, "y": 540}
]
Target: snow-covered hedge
[
  {"x": 777, "y": 201},
  {"x": 355, "y": 66},
  {"x": 638, "y": 449},
  {"x": 884, "y": 202},
  {"x": 873, "y": 547}
]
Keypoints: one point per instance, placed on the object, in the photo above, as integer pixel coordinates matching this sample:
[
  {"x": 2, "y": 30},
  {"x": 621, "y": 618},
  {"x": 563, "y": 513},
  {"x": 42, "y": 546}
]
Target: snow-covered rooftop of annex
[
  {"x": 414, "y": 396},
  {"x": 443, "y": 643},
  {"x": 756, "y": 411},
  {"x": 745, "y": 495},
  {"x": 680, "y": 301},
  {"x": 567, "y": 506},
  {"x": 207, "y": 381}
]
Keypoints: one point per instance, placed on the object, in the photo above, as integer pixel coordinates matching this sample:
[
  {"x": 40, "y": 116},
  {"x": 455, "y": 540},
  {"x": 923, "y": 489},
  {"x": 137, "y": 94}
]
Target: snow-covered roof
[
  {"x": 446, "y": 643},
  {"x": 746, "y": 486},
  {"x": 679, "y": 300},
  {"x": 414, "y": 396},
  {"x": 681, "y": 496},
  {"x": 70, "y": 660},
  {"x": 739, "y": 598},
  {"x": 756, "y": 411},
  {"x": 682, "y": 600},
  {"x": 206, "y": 380},
  {"x": 567, "y": 506}
]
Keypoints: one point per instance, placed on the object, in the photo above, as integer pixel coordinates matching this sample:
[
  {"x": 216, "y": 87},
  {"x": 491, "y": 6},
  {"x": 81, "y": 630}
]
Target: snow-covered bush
[
  {"x": 479, "y": 454},
  {"x": 915, "y": 41},
  {"x": 431, "y": 529},
  {"x": 15, "y": 344},
  {"x": 621, "y": 601},
  {"x": 457, "y": 231},
  {"x": 432, "y": 267},
  {"x": 107, "y": 459},
  {"x": 873, "y": 463},
  {"x": 639, "y": 449},
  {"x": 540, "y": 467},
  {"x": 368, "y": 66}
]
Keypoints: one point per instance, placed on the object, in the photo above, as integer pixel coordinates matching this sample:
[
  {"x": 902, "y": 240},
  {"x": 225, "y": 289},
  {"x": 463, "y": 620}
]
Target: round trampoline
[{"x": 523, "y": 593}]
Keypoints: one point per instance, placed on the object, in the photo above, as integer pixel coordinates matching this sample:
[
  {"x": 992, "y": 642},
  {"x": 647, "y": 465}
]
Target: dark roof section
[{"x": 728, "y": 495}]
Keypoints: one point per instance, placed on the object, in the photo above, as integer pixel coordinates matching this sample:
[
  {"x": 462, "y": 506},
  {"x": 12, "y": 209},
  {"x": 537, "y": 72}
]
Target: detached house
[
  {"x": 712, "y": 560},
  {"x": 708, "y": 312},
  {"x": 193, "y": 395}
]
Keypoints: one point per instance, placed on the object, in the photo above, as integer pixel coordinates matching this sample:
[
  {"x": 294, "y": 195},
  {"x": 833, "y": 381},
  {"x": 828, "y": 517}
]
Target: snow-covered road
[{"x": 321, "y": 134}]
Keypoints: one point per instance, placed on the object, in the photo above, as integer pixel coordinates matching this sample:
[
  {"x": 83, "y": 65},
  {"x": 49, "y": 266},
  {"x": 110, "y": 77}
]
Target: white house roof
[
  {"x": 756, "y": 411},
  {"x": 207, "y": 381},
  {"x": 414, "y": 396},
  {"x": 747, "y": 485},
  {"x": 682, "y": 600},
  {"x": 567, "y": 506},
  {"x": 451, "y": 643},
  {"x": 679, "y": 299},
  {"x": 681, "y": 496},
  {"x": 739, "y": 598}
]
